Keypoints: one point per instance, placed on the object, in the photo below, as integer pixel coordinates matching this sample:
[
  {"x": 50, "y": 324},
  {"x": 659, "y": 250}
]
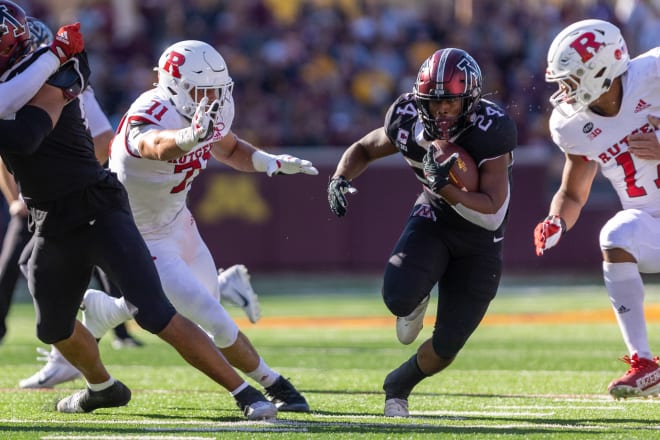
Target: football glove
[
  {"x": 72, "y": 76},
  {"x": 337, "y": 189},
  {"x": 282, "y": 164},
  {"x": 201, "y": 125},
  {"x": 286, "y": 164},
  {"x": 548, "y": 232},
  {"x": 67, "y": 42},
  {"x": 437, "y": 174}
]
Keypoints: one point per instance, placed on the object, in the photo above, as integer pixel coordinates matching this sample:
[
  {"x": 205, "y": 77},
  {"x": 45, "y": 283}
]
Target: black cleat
[
  {"x": 286, "y": 397},
  {"x": 254, "y": 405},
  {"x": 86, "y": 400}
]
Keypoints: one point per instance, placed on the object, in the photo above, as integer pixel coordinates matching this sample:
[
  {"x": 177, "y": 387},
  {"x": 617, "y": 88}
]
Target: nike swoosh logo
[
  {"x": 42, "y": 380},
  {"x": 243, "y": 298},
  {"x": 498, "y": 239}
]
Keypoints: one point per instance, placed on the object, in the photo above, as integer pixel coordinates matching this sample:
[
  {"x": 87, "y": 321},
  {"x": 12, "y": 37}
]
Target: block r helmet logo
[{"x": 173, "y": 62}]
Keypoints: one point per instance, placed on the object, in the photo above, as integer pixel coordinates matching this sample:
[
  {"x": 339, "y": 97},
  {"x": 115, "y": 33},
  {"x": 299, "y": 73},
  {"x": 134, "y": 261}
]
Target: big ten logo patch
[{"x": 232, "y": 196}]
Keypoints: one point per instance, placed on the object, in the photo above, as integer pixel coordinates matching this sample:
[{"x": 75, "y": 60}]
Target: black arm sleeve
[{"x": 25, "y": 133}]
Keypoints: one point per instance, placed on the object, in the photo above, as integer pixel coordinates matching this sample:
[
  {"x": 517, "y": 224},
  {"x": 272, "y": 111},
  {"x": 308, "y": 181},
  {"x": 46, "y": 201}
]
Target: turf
[{"x": 537, "y": 368}]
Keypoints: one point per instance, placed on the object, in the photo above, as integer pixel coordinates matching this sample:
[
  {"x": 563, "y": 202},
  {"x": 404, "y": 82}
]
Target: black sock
[{"x": 400, "y": 382}]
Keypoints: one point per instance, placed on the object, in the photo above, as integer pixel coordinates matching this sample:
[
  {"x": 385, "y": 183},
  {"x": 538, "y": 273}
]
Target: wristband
[
  {"x": 260, "y": 160},
  {"x": 562, "y": 223},
  {"x": 185, "y": 139}
]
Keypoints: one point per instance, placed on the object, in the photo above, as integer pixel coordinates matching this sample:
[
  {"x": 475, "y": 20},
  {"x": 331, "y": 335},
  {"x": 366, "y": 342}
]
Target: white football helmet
[
  {"x": 584, "y": 59},
  {"x": 190, "y": 66}
]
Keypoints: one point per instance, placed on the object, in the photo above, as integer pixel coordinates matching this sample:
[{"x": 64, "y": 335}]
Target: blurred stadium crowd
[{"x": 322, "y": 72}]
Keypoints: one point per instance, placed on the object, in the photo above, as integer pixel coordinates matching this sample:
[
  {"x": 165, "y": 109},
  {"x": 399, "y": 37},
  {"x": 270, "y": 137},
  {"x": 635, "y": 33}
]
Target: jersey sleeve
[
  {"x": 21, "y": 88},
  {"x": 97, "y": 121}
]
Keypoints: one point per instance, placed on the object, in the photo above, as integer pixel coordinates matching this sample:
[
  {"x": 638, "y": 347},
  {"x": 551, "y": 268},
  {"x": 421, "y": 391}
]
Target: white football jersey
[
  {"x": 604, "y": 139},
  {"x": 158, "y": 189}
]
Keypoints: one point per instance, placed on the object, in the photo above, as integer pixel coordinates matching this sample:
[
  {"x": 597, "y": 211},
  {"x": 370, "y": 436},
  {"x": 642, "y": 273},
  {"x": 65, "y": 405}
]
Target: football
[{"x": 464, "y": 174}]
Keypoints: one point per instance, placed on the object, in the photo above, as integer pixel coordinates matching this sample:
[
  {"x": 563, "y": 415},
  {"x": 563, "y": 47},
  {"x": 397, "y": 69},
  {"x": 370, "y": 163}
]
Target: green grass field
[{"x": 523, "y": 379}]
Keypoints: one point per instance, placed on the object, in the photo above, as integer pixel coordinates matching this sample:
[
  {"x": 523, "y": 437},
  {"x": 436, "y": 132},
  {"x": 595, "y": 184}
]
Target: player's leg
[
  {"x": 58, "y": 275},
  {"x": 192, "y": 287},
  {"x": 410, "y": 274},
  {"x": 464, "y": 293},
  {"x": 418, "y": 260},
  {"x": 130, "y": 265},
  {"x": 16, "y": 237},
  {"x": 628, "y": 242}
]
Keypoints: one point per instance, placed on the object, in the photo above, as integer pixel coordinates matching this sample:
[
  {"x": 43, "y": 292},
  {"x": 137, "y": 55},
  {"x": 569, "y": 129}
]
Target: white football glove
[
  {"x": 282, "y": 164},
  {"x": 201, "y": 125}
]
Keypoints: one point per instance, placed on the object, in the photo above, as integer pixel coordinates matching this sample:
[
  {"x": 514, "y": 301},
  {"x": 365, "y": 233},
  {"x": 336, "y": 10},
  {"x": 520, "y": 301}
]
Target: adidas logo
[
  {"x": 641, "y": 105},
  {"x": 623, "y": 309},
  {"x": 63, "y": 37}
]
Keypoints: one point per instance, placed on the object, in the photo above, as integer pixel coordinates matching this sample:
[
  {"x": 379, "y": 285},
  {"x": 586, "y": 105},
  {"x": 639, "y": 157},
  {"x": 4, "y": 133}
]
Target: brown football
[{"x": 464, "y": 174}]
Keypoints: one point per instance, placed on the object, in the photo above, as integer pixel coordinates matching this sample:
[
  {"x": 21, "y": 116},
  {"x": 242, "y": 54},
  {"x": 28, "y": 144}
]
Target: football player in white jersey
[
  {"x": 167, "y": 137},
  {"x": 605, "y": 116}
]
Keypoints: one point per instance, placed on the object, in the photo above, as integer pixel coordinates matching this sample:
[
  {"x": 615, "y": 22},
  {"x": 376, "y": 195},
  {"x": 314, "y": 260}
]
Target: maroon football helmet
[
  {"x": 447, "y": 74},
  {"x": 14, "y": 34}
]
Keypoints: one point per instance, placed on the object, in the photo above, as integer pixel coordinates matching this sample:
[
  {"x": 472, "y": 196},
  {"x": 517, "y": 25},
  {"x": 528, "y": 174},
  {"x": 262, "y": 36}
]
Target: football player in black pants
[
  {"x": 18, "y": 235},
  {"x": 81, "y": 218},
  {"x": 453, "y": 238}
]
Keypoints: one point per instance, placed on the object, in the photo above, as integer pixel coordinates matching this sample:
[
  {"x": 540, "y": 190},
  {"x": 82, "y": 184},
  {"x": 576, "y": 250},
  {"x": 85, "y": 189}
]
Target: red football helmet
[
  {"x": 14, "y": 34},
  {"x": 447, "y": 74}
]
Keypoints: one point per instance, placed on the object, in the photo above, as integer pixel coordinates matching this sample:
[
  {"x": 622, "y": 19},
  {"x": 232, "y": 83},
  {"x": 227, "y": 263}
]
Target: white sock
[
  {"x": 101, "y": 386},
  {"x": 626, "y": 291},
  {"x": 265, "y": 375}
]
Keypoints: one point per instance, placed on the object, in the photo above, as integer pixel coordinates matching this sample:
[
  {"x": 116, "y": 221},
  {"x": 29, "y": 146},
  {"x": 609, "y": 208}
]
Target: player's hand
[
  {"x": 286, "y": 164},
  {"x": 201, "y": 125},
  {"x": 548, "y": 232},
  {"x": 436, "y": 173},
  {"x": 646, "y": 145},
  {"x": 67, "y": 42},
  {"x": 337, "y": 189}
]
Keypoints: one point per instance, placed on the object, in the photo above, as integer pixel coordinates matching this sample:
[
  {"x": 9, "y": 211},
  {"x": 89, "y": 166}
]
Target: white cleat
[
  {"x": 101, "y": 312},
  {"x": 261, "y": 410},
  {"x": 235, "y": 287},
  {"x": 408, "y": 327},
  {"x": 396, "y": 408},
  {"x": 56, "y": 371}
]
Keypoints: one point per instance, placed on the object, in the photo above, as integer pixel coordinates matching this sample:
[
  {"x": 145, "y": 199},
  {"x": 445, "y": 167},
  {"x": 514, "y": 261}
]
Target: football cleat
[
  {"x": 408, "y": 327},
  {"x": 236, "y": 288},
  {"x": 86, "y": 400},
  {"x": 641, "y": 380},
  {"x": 101, "y": 312},
  {"x": 286, "y": 397},
  {"x": 126, "y": 342},
  {"x": 56, "y": 371},
  {"x": 396, "y": 408},
  {"x": 254, "y": 405}
]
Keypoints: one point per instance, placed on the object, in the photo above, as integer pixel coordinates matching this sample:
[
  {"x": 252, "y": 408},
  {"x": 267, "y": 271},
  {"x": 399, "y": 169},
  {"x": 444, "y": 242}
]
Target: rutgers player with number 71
[
  {"x": 606, "y": 112},
  {"x": 167, "y": 137}
]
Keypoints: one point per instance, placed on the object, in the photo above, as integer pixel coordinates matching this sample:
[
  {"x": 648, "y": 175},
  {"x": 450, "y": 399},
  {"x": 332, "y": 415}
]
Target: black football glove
[
  {"x": 72, "y": 76},
  {"x": 337, "y": 188},
  {"x": 437, "y": 174}
]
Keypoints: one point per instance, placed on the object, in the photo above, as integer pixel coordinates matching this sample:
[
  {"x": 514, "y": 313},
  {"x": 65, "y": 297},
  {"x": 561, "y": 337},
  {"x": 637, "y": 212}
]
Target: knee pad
[
  {"x": 621, "y": 231},
  {"x": 225, "y": 335}
]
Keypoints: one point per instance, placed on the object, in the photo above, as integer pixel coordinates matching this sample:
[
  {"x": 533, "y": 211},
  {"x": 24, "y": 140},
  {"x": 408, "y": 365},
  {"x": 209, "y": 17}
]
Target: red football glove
[
  {"x": 68, "y": 42},
  {"x": 548, "y": 232}
]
